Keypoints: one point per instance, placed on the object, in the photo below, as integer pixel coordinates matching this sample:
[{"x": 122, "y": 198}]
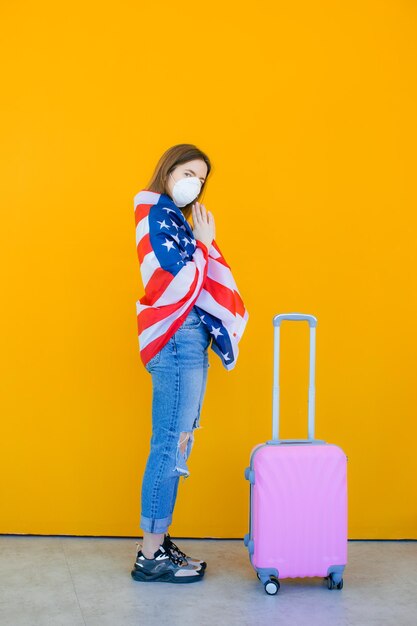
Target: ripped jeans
[{"x": 179, "y": 377}]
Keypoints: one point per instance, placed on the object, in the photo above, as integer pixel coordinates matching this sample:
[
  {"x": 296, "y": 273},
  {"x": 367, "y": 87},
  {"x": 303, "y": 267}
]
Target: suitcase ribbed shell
[{"x": 299, "y": 508}]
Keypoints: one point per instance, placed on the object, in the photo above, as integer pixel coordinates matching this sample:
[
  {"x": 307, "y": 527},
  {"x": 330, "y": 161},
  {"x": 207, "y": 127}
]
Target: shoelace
[
  {"x": 177, "y": 559},
  {"x": 173, "y": 547}
]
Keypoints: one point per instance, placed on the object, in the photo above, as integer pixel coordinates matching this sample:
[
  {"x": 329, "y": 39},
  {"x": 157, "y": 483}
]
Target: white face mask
[{"x": 185, "y": 190}]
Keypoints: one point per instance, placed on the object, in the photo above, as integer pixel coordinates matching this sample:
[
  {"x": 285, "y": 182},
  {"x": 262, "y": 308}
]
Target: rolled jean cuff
[{"x": 150, "y": 525}]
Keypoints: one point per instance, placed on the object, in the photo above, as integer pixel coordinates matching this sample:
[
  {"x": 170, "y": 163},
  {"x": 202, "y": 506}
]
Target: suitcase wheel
[
  {"x": 272, "y": 585},
  {"x": 331, "y": 584}
]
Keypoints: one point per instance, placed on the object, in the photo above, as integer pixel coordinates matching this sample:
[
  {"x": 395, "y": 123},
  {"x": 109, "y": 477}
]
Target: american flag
[{"x": 179, "y": 272}]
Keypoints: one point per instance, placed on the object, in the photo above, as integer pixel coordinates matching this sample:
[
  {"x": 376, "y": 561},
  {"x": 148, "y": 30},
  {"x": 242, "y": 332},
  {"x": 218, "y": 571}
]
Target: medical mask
[{"x": 186, "y": 190}]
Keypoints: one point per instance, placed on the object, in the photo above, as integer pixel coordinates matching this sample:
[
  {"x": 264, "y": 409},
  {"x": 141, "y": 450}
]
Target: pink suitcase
[{"x": 298, "y": 495}]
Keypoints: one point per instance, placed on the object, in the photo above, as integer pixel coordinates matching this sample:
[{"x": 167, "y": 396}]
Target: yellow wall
[{"x": 308, "y": 111}]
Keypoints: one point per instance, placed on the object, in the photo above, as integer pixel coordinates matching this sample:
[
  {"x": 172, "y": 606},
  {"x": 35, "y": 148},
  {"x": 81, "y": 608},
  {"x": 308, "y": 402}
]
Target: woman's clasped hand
[{"x": 204, "y": 226}]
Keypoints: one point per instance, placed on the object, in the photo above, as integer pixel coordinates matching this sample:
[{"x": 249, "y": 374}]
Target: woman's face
[{"x": 197, "y": 167}]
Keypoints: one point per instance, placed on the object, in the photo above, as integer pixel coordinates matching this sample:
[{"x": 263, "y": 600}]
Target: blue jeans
[{"x": 179, "y": 377}]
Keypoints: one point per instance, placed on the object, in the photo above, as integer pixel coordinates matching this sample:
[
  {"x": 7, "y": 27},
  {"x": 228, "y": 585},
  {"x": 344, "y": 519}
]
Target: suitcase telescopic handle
[{"x": 312, "y": 321}]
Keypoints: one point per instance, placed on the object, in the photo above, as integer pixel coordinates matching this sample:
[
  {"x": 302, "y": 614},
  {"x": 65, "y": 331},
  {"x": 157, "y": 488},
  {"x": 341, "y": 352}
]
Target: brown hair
[{"x": 177, "y": 155}]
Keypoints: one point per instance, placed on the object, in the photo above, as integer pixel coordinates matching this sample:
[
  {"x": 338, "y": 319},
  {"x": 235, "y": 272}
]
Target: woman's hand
[{"x": 203, "y": 221}]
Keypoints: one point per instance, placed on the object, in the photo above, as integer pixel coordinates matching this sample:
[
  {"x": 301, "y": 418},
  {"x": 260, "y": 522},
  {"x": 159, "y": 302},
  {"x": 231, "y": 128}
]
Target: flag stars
[
  {"x": 216, "y": 331},
  {"x": 225, "y": 356},
  {"x": 169, "y": 244},
  {"x": 168, "y": 210},
  {"x": 163, "y": 224},
  {"x": 175, "y": 224},
  {"x": 177, "y": 239}
]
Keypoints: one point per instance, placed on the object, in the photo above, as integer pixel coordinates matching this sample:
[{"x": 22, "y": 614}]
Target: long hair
[{"x": 177, "y": 155}]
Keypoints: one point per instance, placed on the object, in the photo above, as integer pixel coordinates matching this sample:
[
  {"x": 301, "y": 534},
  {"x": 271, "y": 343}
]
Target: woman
[{"x": 190, "y": 300}]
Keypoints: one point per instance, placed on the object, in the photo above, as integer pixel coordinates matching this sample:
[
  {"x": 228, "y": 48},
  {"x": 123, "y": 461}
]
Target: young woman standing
[{"x": 175, "y": 330}]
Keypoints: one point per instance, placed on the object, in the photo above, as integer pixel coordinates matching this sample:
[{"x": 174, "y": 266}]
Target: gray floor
[{"x": 83, "y": 581}]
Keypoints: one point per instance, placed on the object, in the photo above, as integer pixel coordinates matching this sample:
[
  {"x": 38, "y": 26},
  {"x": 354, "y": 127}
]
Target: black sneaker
[
  {"x": 165, "y": 567},
  {"x": 168, "y": 544}
]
